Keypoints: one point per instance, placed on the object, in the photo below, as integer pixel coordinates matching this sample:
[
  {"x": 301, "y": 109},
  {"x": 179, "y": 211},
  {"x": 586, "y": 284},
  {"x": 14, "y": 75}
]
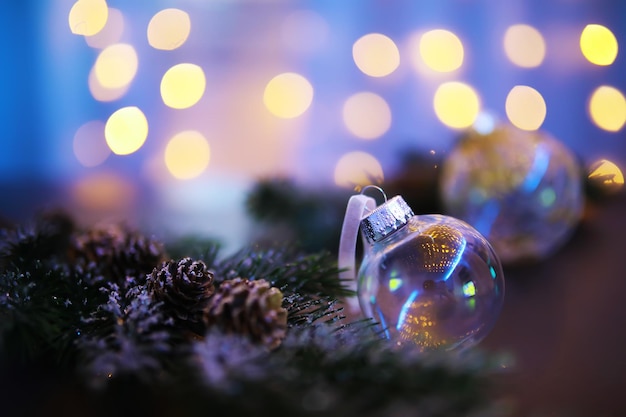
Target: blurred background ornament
[
  {"x": 522, "y": 190},
  {"x": 431, "y": 282}
]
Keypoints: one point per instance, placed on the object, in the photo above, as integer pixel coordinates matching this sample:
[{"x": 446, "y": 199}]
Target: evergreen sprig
[{"x": 110, "y": 339}]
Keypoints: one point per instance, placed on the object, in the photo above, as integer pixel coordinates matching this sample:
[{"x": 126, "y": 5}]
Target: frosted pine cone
[
  {"x": 184, "y": 287},
  {"x": 116, "y": 254},
  {"x": 251, "y": 308}
]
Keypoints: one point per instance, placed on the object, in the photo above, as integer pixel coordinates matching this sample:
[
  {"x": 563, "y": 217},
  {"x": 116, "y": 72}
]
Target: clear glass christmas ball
[
  {"x": 431, "y": 282},
  {"x": 522, "y": 190}
]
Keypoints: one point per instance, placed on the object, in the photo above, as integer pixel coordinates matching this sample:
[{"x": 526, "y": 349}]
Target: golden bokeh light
[
  {"x": 104, "y": 191},
  {"x": 187, "y": 155},
  {"x": 598, "y": 44},
  {"x": 116, "y": 66},
  {"x": 168, "y": 29},
  {"x": 358, "y": 169},
  {"x": 524, "y": 46},
  {"x": 90, "y": 147},
  {"x": 441, "y": 50},
  {"x": 101, "y": 93},
  {"x": 183, "y": 85},
  {"x": 88, "y": 17},
  {"x": 606, "y": 175},
  {"x": 376, "y": 55},
  {"x": 456, "y": 104},
  {"x": 525, "y": 107},
  {"x": 366, "y": 115},
  {"x": 111, "y": 32},
  {"x": 288, "y": 95},
  {"x": 126, "y": 130},
  {"x": 607, "y": 108}
]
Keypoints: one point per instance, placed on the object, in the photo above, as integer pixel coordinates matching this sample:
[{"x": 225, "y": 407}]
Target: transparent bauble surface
[
  {"x": 435, "y": 284},
  {"x": 521, "y": 190}
]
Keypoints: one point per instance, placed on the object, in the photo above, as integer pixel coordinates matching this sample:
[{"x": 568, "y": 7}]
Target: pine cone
[
  {"x": 251, "y": 308},
  {"x": 184, "y": 287},
  {"x": 116, "y": 254}
]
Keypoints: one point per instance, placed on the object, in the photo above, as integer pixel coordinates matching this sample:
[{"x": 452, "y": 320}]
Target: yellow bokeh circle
[
  {"x": 366, "y": 115},
  {"x": 376, "y": 55},
  {"x": 598, "y": 44},
  {"x": 607, "y": 108},
  {"x": 182, "y": 86},
  {"x": 168, "y": 29},
  {"x": 187, "y": 155},
  {"x": 288, "y": 95},
  {"x": 358, "y": 169},
  {"x": 525, "y": 107},
  {"x": 524, "y": 46},
  {"x": 456, "y": 104},
  {"x": 88, "y": 17},
  {"x": 116, "y": 66},
  {"x": 441, "y": 50},
  {"x": 126, "y": 130}
]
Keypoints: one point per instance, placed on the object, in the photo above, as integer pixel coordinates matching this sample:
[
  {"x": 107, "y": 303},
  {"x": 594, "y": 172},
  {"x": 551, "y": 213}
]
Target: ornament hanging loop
[{"x": 375, "y": 187}]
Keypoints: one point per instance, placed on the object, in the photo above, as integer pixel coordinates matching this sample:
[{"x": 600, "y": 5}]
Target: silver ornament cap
[{"x": 386, "y": 219}]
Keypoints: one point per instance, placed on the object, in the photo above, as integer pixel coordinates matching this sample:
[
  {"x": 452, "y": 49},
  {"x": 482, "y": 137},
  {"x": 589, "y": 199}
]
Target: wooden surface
[{"x": 564, "y": 323}]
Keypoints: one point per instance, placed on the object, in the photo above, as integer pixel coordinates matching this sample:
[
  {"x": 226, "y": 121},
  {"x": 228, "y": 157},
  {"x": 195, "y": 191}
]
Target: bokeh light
[
  {"x": 288, "y": 95},
  {"x": 187, "y": 155},
  {"x": 168, "y": 29},
  {"x": 525, "y": 107},
  {"x": 182, "y": 85},
  {"x": 126, "y": 130},
  {"x": 106, "y": 191},
  {"x": 116, "y": 65},
  {"x": 358, "y": 169},
  {"x": 606, "y": 175},
  {"x": 441, "y": 50},
  {"x": 607, "y": 108},
  {"x": 367, "y": 115},
  {"x": 111, "y": 33},
  {"x": 88, "y": 17},
  {"x": 90, "y": 147},
  {"x": 456, "y": 104},
  {"x": 101, "y": 93},
  {"x": 598, "y": 44},
  {"x": 524, "y": 46},
  {"x": 376, "y": 55}
]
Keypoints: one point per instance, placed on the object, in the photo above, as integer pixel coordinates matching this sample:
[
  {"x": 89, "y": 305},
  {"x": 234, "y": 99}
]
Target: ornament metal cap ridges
[{"x": 386, "y": 218}]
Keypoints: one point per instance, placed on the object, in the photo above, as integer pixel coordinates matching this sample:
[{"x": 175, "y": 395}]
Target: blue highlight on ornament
[
  {"x": 405, "y": 308},
  {"x": 492, "y": 271},
  {"x": 537, "y": 170},
  {"x": 457, "y": 257}
]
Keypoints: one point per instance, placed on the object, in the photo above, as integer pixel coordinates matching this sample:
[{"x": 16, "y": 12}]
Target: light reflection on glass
[
  {"x": 525, "y": 107},
  {"x": 183, "y": 85},
  {"x": 358, "y": 169},
  {"x": 367, "y": 115},
  {"x": 90, "y": 147},
  {"x": 607, "y": 175},
  {"x": 168, "y": 29},
  {"x": 88, "y": 17},
  {"x": 524, "y": 46},
  {"x": 607, "y": 108},
  {"x": 376, "y": 55},
  {"x": 456, "y": 104},
  {"x": 126, "y": 130},
  {"x": 187, "y": 155},
  {"x": 598, "y": 44},
  {"x": 288, "y": 95}
]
